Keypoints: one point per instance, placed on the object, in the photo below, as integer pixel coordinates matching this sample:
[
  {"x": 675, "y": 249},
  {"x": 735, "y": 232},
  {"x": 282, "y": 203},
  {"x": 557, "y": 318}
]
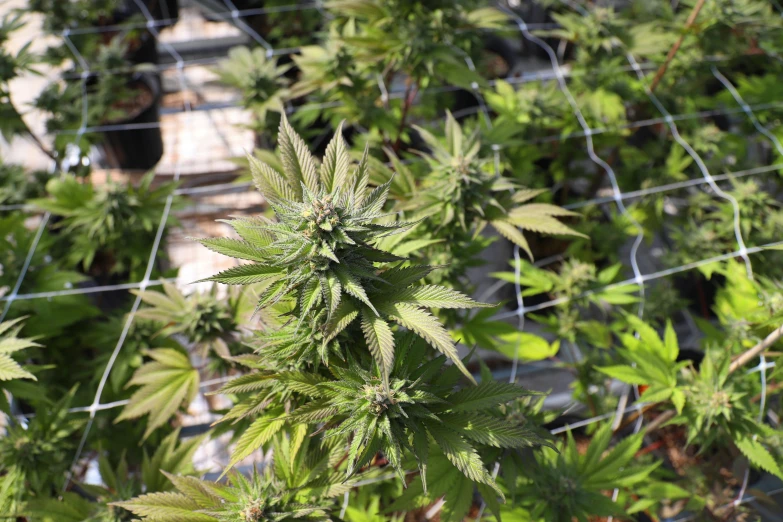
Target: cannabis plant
[
  {"x": 299, "y": 485},
  {"x": 463, "y": 193},
  {"x": 566, "y": 485},
  {"x": 710, "y": 401},
  {"x": 330, "y": 74},
  {"x": 201, "y": 318},
  {"x": 706, "y": 226},
  {"x": 320, "y": 255},
  {"x": 260, "y": 80},
  {"x": 419, "y": 404},
  {"x": 107, "y": 229},
  {"x": 17, "y": 185},
  {"x": 415, "y": 37},
  {"x": 10, "y": 369},
  {"x": 40, "y": 449},
  {"x": 120, "y": 483}
]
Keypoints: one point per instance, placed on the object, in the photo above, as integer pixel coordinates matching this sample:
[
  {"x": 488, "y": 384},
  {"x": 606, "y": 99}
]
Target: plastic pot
[
  {"x": 497, "y": 48},
  {"x": 144, "y": 49},
  {"x": 167, "y": 10},
  {"x": 108, "y": 301},
  {"x": 139, "y": 145},
  {"x": 160, "y": 10},
  {"x": 699, "y": 291}
]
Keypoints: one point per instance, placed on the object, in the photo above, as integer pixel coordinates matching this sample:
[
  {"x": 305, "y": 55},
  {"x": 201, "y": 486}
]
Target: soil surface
[{"x": 141, "y": 99}]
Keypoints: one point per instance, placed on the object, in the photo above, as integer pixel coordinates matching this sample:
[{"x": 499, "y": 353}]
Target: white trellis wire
[
  {"x": 45, "y": 219},
  {"x": 93, "y": 408},
  {"x": 398, "y": 94},
  {"x": 762, "y": 366}
]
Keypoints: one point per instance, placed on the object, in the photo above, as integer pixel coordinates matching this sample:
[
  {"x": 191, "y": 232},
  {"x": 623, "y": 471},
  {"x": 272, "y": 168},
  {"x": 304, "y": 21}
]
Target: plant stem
[
  {"x": 660, "y": 420},
  {"x": 676, "y": 46},
  {"x": 410, "y": 93},
  {"x": 39, "y": 144}
]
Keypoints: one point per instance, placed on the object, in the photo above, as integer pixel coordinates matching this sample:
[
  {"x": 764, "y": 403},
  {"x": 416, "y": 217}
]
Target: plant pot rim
[{"x": 137, "y": 82}]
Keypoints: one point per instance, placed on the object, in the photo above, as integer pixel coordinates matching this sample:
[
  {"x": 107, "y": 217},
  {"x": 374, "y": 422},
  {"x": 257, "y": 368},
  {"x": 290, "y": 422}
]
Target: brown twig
[
  {"x": 676, "y": 47},
  {"x": 40, "y": 145},
  {"x": 410, "y": 94}
]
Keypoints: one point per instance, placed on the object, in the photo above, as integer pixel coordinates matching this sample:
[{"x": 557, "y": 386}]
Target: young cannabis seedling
[{"x": 320, "y": 254}]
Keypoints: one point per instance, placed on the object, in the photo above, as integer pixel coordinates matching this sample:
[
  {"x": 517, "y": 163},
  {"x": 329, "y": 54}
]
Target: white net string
[
  {"x": 398, "y": 94},
  {"x": 762, "y": 366},
  {"x": 45, "y": 218},
  {"x": 96, "y": 404}
]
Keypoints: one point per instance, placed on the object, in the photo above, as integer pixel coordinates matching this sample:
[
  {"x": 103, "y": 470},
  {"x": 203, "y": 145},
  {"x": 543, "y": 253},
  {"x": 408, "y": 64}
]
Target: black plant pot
[
  {"x": 145, "y": 50},
  {"x": 108, "y": 301},
  {"x": 699, "y": 291},
  {"x": 165, "y": 12},
  {"x": 689, "y": 354},
  {"x": 498, "y": 47},
  {"x": 139, "y": 145}
]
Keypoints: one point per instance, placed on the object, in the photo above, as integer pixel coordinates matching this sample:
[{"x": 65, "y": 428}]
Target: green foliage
[
  {"x": 362, "y": 268},
  {"x": 297, "y": 487},
  {"x": 17, "y": 186},
  {"x": 464, "y": 193},
  {"x": 10, "y": 369},
  {"x": 653, "y": 363},
  {"x": 415, "y": 37},
  {"x": 706, "y": 228},
  {"x": 417, "y": 406},
  {"x": 259, "y": 79},
  {"x": 569, "y": 485},
  {"x": 321, "y": 256},
  {"x": 167, "y": 382},
  {"x": 40, "y": 450},
  {"x": 110, "y": 228},
  {"x": 95, "y": 503},
  {"x": 202, "y": 318}
]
